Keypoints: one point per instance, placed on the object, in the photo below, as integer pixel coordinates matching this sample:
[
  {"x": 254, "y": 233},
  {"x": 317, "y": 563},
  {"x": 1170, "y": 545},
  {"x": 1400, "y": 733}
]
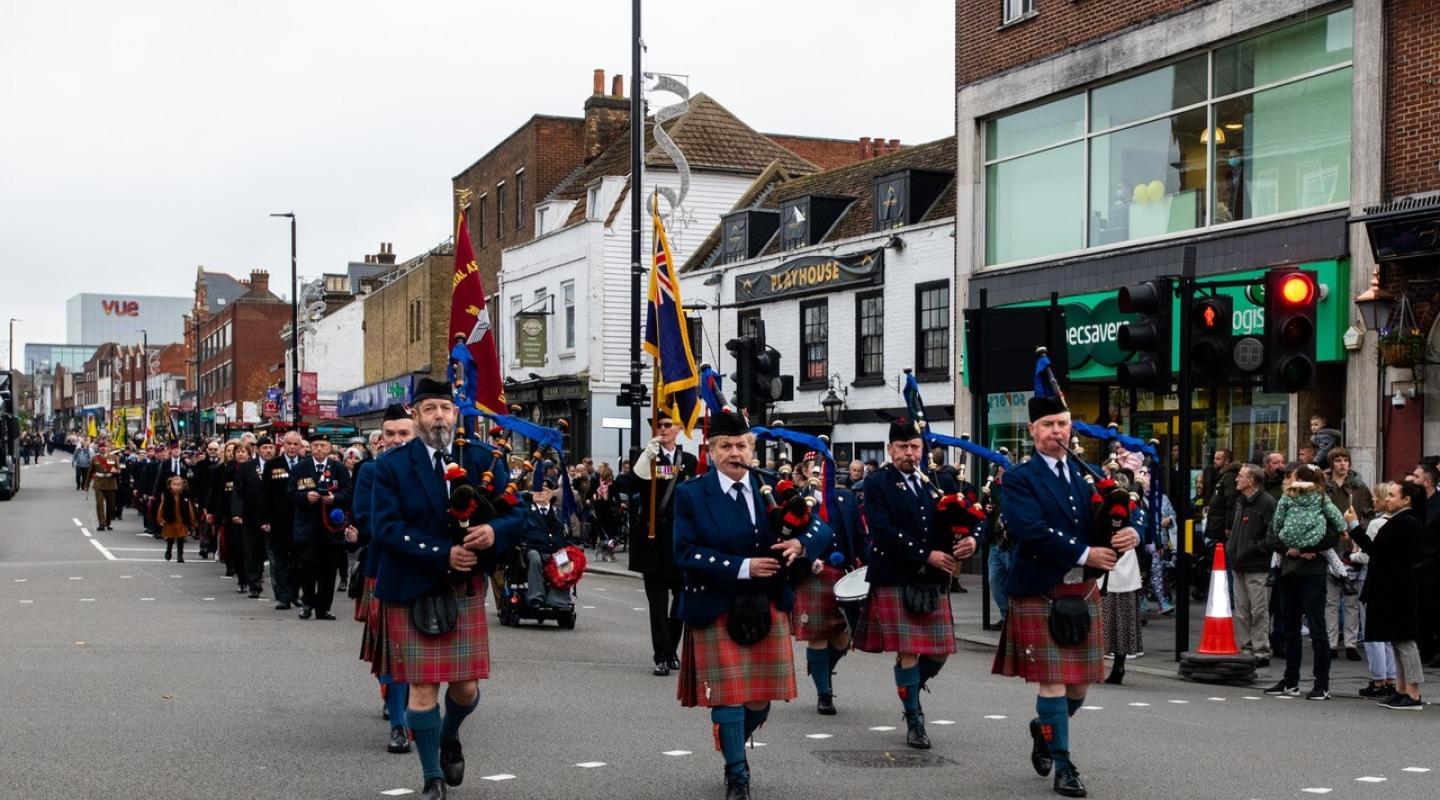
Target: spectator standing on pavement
[
  {"x": 1427, "y": 476},
  {"x": 80, "y": 460},
  {"x": 1304, "y": 514},
  {"x": 1221, "y": 511},
  {"x": 1379, "y": 656},
  {"x": 1249, "y": 558},
  {"x": 1393, "y": 593},
  {"x": 1274, "y": 475},
  {"x": 1342, "y": 609}
]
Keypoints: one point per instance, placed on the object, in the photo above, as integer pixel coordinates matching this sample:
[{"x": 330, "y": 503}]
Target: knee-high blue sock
[
  {"x": 395, "y": 699},
  {"x": 729, "y": 724},
  {"x": 425, "y": 725},
  {"x": 456, "y": 714},
  {"x": 1072, "y": 705},
  {"x": 754, "y": 719},
  {"x": 1055, "y": 724},
  {"x": 907, "y": 685},
  {"x": 818, "y": 663}
]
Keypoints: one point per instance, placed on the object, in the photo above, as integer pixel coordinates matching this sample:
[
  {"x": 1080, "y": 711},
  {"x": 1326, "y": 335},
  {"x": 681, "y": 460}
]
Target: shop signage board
[
  {"x": 811, "y": 275},
  {"x": 531, "y": 338}
]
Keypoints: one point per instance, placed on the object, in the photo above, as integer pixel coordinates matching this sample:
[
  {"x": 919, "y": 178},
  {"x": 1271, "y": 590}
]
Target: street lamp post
[
  {"x": 145, "y": 383},
  {"x": 294, "y": 324}
]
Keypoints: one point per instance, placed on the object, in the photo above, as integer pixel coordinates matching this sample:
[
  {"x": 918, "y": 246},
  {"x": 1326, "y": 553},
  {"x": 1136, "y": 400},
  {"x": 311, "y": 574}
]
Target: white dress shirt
[
  {"x": 727, "y": 487},
  {"x": 1050, "y": 465}
]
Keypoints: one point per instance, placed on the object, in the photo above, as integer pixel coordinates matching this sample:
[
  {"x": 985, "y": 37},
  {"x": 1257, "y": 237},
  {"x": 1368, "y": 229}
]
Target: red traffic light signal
[
  {"x": 1207, "y": 315},
  {"x": 1291, "y": 297},
  {"x": 1209, "y": 348},
  {"x": 1297, "y": 289}
]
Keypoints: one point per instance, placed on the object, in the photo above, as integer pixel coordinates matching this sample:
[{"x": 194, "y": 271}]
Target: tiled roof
[
  {"x": 855, "y": 181},
  {"x": 218, "y": 287},
  {"x": 710, "y": 137}
]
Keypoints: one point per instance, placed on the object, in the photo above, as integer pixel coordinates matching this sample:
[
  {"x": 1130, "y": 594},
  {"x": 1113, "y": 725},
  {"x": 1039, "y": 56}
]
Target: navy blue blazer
[
  {"x": 848, "y": 534},
  {"x": 1048, "y": 522},
  {"x": 409, "y": 521},
  {"x": 902, "y": 529},
  {"x": 713, "y": 537},
  {"x": 305, "y": 478}
]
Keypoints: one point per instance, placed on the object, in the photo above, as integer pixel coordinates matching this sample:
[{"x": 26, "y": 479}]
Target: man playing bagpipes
[
  {"x": 440, "y": 517},
  {"x": 319, "y": 489},
  {"x": 817, "y": 618},
  {"x": 736, "y": 657},
  {"x": 1052, "y": 633},
  {"x": 916, "y": 545}
]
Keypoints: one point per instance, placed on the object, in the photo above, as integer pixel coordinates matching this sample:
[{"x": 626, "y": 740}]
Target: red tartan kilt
[
  {"x": 816, "y": 615},
  {"x": 715, "y": 671},
  {"x": 366, "y": 609},
  {"x": 362, "y": 603},
  {"x": 886, "y": 626},
  {"x": 1027, "y": 651},
  {"x": 410, "y": 656}
]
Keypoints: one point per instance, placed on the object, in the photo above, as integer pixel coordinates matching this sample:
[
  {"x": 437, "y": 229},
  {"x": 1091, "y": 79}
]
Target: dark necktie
[
  {"x": 738, "y": 491},
  {"x": 915, "y": 486},
  {"x": 1060, "y": 472},
  {"x": 440, "y": 471}
]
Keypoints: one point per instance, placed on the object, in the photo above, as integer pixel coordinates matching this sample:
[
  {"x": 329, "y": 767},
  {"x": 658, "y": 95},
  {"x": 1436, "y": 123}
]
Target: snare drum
[{"x": 850, "y": 594}]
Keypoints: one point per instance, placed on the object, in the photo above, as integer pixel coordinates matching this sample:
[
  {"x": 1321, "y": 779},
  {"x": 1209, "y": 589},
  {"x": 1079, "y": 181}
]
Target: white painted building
[{"x": 333, "y": 347}]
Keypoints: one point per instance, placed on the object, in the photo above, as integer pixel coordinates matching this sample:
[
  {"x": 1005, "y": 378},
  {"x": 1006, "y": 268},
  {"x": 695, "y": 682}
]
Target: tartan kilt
[
  {"x": 816, "y": 615},
  {"x": 409, "y": 656},
  {"x": 367, "y": 608},
  {"x": 362, "y": 603},
  {"x": 1027, "y": 651},
  {"x": 886, "y": 626},
  {"x": 715, "y": 671}
]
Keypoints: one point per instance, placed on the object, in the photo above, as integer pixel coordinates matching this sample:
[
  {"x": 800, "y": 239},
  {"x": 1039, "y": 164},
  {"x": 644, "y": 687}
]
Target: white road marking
[
  {"x": 21, "y": 580},
  {"x": 1216, "y": 699},
  {"x": 152, "y": 560},
  {"x": 1370, "y": 779},
  {"x": 1248, "y": 697},
  {"x": 86, "y": 532},
  {"x": 1140, "y": 705},
  {"x": 1416, "y": 769},
  {"x": 1181, "y": 702},
  {"x": 77, "y": 522},
  {"x": 942, "y": 722},
  {"x": 1093, "y": 708},
  {"x": 754, "y": 744},
  {"x": 126, "y": 577},
  {"x": 637, "y": 609},
  {"x": 819, "y": 736},
  {"x": 995, "y": 716},
  {"x": 87, "y": 599},
  {"x": 177, "y": 576},
  {"x": 207, "y": 598},
  {"x": 26, "y": 602},
  {"x": 883, "y": 728},
  {"x": 109, "y": 556},
  {"x": 76, "y": 578},
  {"x": 1318, "y": 790},
  {"x": 137, "y": 549},
  {"x": 146, "y": 598},
  {"x": 590, "y": 764},
  {"x": 598, "y": 589},
  {"x": 676, "y": 753},
  {"x": 589, "y": 607},
  {"x": 504, "y": 776},
  {"x": 397, "y": 792}
]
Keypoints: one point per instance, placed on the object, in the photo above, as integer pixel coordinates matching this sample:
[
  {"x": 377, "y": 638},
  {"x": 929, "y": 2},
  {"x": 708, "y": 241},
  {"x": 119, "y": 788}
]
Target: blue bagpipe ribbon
[
  {"x": 711, "y": 384},
  {"x": 1134, "y": 445},
  {"x": 916, "y": 406},
  {"x": 827, "y": 468},
  {"x": 542, "y": 436}
]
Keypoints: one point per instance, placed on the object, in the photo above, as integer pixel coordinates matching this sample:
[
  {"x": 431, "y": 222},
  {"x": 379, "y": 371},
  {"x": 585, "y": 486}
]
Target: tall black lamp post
[{"x": 294, "y": 324}]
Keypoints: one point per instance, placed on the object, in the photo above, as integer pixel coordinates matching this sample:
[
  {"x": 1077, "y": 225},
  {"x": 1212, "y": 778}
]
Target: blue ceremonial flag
[{"x": 667, "y": 337}]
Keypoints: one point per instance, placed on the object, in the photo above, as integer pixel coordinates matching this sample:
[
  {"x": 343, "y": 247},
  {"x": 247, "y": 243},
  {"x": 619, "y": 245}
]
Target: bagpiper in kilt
[
  {"x": 419, "y": 564},
  {"x": 1048, "y": 515},
  {"x": 816, "y": 618},
  {"x": 911, "y": 562},
  {"x": 736, "y": 654},
  {"x": 396, "y": 429}
]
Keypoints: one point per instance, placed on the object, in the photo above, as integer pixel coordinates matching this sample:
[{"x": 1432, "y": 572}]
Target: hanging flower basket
[{"x": 1402, "y": 348}]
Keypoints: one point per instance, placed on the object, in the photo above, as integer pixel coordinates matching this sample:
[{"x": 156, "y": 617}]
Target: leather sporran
[
  {"x": 749, "y": 620},
  {"x": 922, "y": 598},
  {"x": 1069, "y": 620},
  {"x": 436, "y": 612}
]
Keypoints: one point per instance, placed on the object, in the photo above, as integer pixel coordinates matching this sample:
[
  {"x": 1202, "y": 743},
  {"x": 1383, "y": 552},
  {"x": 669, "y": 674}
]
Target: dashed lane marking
[
  {"x": 126, "y": 577},
  {"x": 86, "y": 531},
  {"x": 588, "y": 607},
  {"x": 1180, "y": 702},
  {"x": 87, "y": 599},
  {"x": 995, "y": 716},
  {"x": 207, "y": 598},
  {"x": 1248, "y": 697},
  {"x": 77, "y": 578},
  {"x": 77, "y": 522},
  {"x": 177, "y": 576},
  {"x": 26, "y": 602},
  {"x": 943, "y": 722},
  {"x": 883, "y": 728},
  {"x": 819, "y": 736},
  {"x": 21, "y": 580},
  {"x": 1370, "y": 779},
  {"x": 754, "y": 744},
  {"x": 637, "y": 609},
  {"x": 144, "y": 599},
  {"x": 1416, "y": 769},
  {"x": 1318, "y": 790},
  {"x": 1093, "y": 708},
  {"x": 504, "y": 776},
  {"x": 1140, "y": 705},
  {"x": 1216, "y": 699},
  {"x": 590, "y": 764},
  {"x": 676, "y": 753},
  {"x": 397, "y": 792}
]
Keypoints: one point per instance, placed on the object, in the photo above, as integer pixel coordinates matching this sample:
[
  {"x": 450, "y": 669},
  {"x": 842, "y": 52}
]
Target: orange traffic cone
[{"x": 1218, "y": 636}]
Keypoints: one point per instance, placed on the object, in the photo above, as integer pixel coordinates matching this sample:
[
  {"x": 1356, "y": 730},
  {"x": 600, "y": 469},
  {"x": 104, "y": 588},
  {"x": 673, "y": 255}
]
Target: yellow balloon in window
[
  {"x": 1141, "y": 195},
  {"x": 1156, "y": 190}
]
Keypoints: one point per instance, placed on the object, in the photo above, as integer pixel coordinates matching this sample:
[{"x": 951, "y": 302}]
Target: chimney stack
[
  {"x": 866, "y": 151},
  {"x": 607, "y": 117},
  {"x": 894, "y": 145},
  {"x": 259, "y": 280}
]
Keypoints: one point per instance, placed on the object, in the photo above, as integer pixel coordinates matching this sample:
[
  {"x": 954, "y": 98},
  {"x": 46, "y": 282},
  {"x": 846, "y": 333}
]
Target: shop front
[
  {"x": 1241, "y": 418},
  {"x": 546, "y": 401},
  {"x": 364, "y": 407}
]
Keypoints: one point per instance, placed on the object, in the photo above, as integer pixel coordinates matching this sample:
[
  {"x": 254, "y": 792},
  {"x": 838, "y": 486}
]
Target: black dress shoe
[
  {"x": 673, "y": 663},
  {"x": 283, "y": 606},
  {"x": 737, "y": 788},
  {"x": 434, "y": 790},
  {"x": 662, "y": 669},
  {"x": 1351, "y": 654},
  {"x": 1040, "y": 757},
  {"x": 1117, "y": 677},
  {"x": 306, "y": 612},
  {"x": 241, "y": 589},
  {"x": 825, "y": 705},
  {"x": 915, "y": 735},
  {"x": 1067, "y": 782},
  {"x": 399, "y": 740},
  {"x": 254, "y": 593},
  {"x": 343, "y": 587},
  {"x": 324, "y": 615},
  {"x": 452, "y": 761}
]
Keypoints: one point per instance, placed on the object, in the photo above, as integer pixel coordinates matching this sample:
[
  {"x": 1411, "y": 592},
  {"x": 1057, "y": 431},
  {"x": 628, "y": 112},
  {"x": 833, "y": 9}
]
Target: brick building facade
[
  {"x": 407, "y": 318},
  {"x": 241, "y": 353}
]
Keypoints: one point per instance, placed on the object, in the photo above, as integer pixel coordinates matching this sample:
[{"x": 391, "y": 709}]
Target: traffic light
[
  {"x": 1147, "y": 340},
  {"x": 742, "y": 348},
  {"x": 1210, "y": 322},
  {"x": 1291, "y": 296},
  {"x": 180, "y": 423}
]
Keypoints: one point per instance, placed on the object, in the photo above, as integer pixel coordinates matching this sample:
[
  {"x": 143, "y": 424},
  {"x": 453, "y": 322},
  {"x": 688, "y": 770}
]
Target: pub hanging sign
[{"x": 809, "y": 275}]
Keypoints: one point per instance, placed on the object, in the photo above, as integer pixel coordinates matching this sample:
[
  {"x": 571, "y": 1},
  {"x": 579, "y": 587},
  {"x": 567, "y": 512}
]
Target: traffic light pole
[{"x": 1184, "y": 525}]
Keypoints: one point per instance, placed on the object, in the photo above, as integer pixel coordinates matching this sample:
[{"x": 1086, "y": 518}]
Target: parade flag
[
  {"x": 90, "y": 426},
  {"x": 470, "y": 323},
  {"x": 118, "y": 435},
  {"x": 667, "y": 337}
]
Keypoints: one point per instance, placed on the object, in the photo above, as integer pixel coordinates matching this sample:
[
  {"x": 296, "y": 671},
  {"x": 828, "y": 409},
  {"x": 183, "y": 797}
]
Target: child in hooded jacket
[{"x": 1302, "y": 516}]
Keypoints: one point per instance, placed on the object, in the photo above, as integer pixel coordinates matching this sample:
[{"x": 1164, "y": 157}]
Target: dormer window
[
  {"x": 903, "y": 198},
  {"x": 744, "y": 234},
  {"x": 806, "y": 220}
]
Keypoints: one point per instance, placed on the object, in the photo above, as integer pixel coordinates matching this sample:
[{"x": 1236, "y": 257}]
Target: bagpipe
[
  {"x": 471, "y": 505},
  {"x": 791, "y": 512}
]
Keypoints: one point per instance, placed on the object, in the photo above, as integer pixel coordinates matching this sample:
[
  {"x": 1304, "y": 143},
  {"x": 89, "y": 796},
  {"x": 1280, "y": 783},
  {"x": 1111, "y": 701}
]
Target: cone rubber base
[{"x": 1238, "y": 668}]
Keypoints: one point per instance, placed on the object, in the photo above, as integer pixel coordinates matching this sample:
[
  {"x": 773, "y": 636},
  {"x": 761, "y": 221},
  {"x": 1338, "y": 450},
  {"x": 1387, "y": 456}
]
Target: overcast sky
[{"x": 141, "y": 139}]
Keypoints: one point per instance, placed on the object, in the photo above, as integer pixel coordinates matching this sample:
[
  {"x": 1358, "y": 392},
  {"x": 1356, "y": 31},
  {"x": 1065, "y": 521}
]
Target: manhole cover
[{"x": 882, "y": 758}]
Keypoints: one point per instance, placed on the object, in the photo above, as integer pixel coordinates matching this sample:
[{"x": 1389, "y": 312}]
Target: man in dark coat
[
  {"x": 652, "y": 552},
  {"x": 278, "y": 520},
  {"x": 319, "y": 485}
]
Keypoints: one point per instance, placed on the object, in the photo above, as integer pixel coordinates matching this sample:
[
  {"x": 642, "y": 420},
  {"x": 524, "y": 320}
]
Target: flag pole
[
  {"x": 654, "y": 372},
  {"x": 637, "y": 175}
]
